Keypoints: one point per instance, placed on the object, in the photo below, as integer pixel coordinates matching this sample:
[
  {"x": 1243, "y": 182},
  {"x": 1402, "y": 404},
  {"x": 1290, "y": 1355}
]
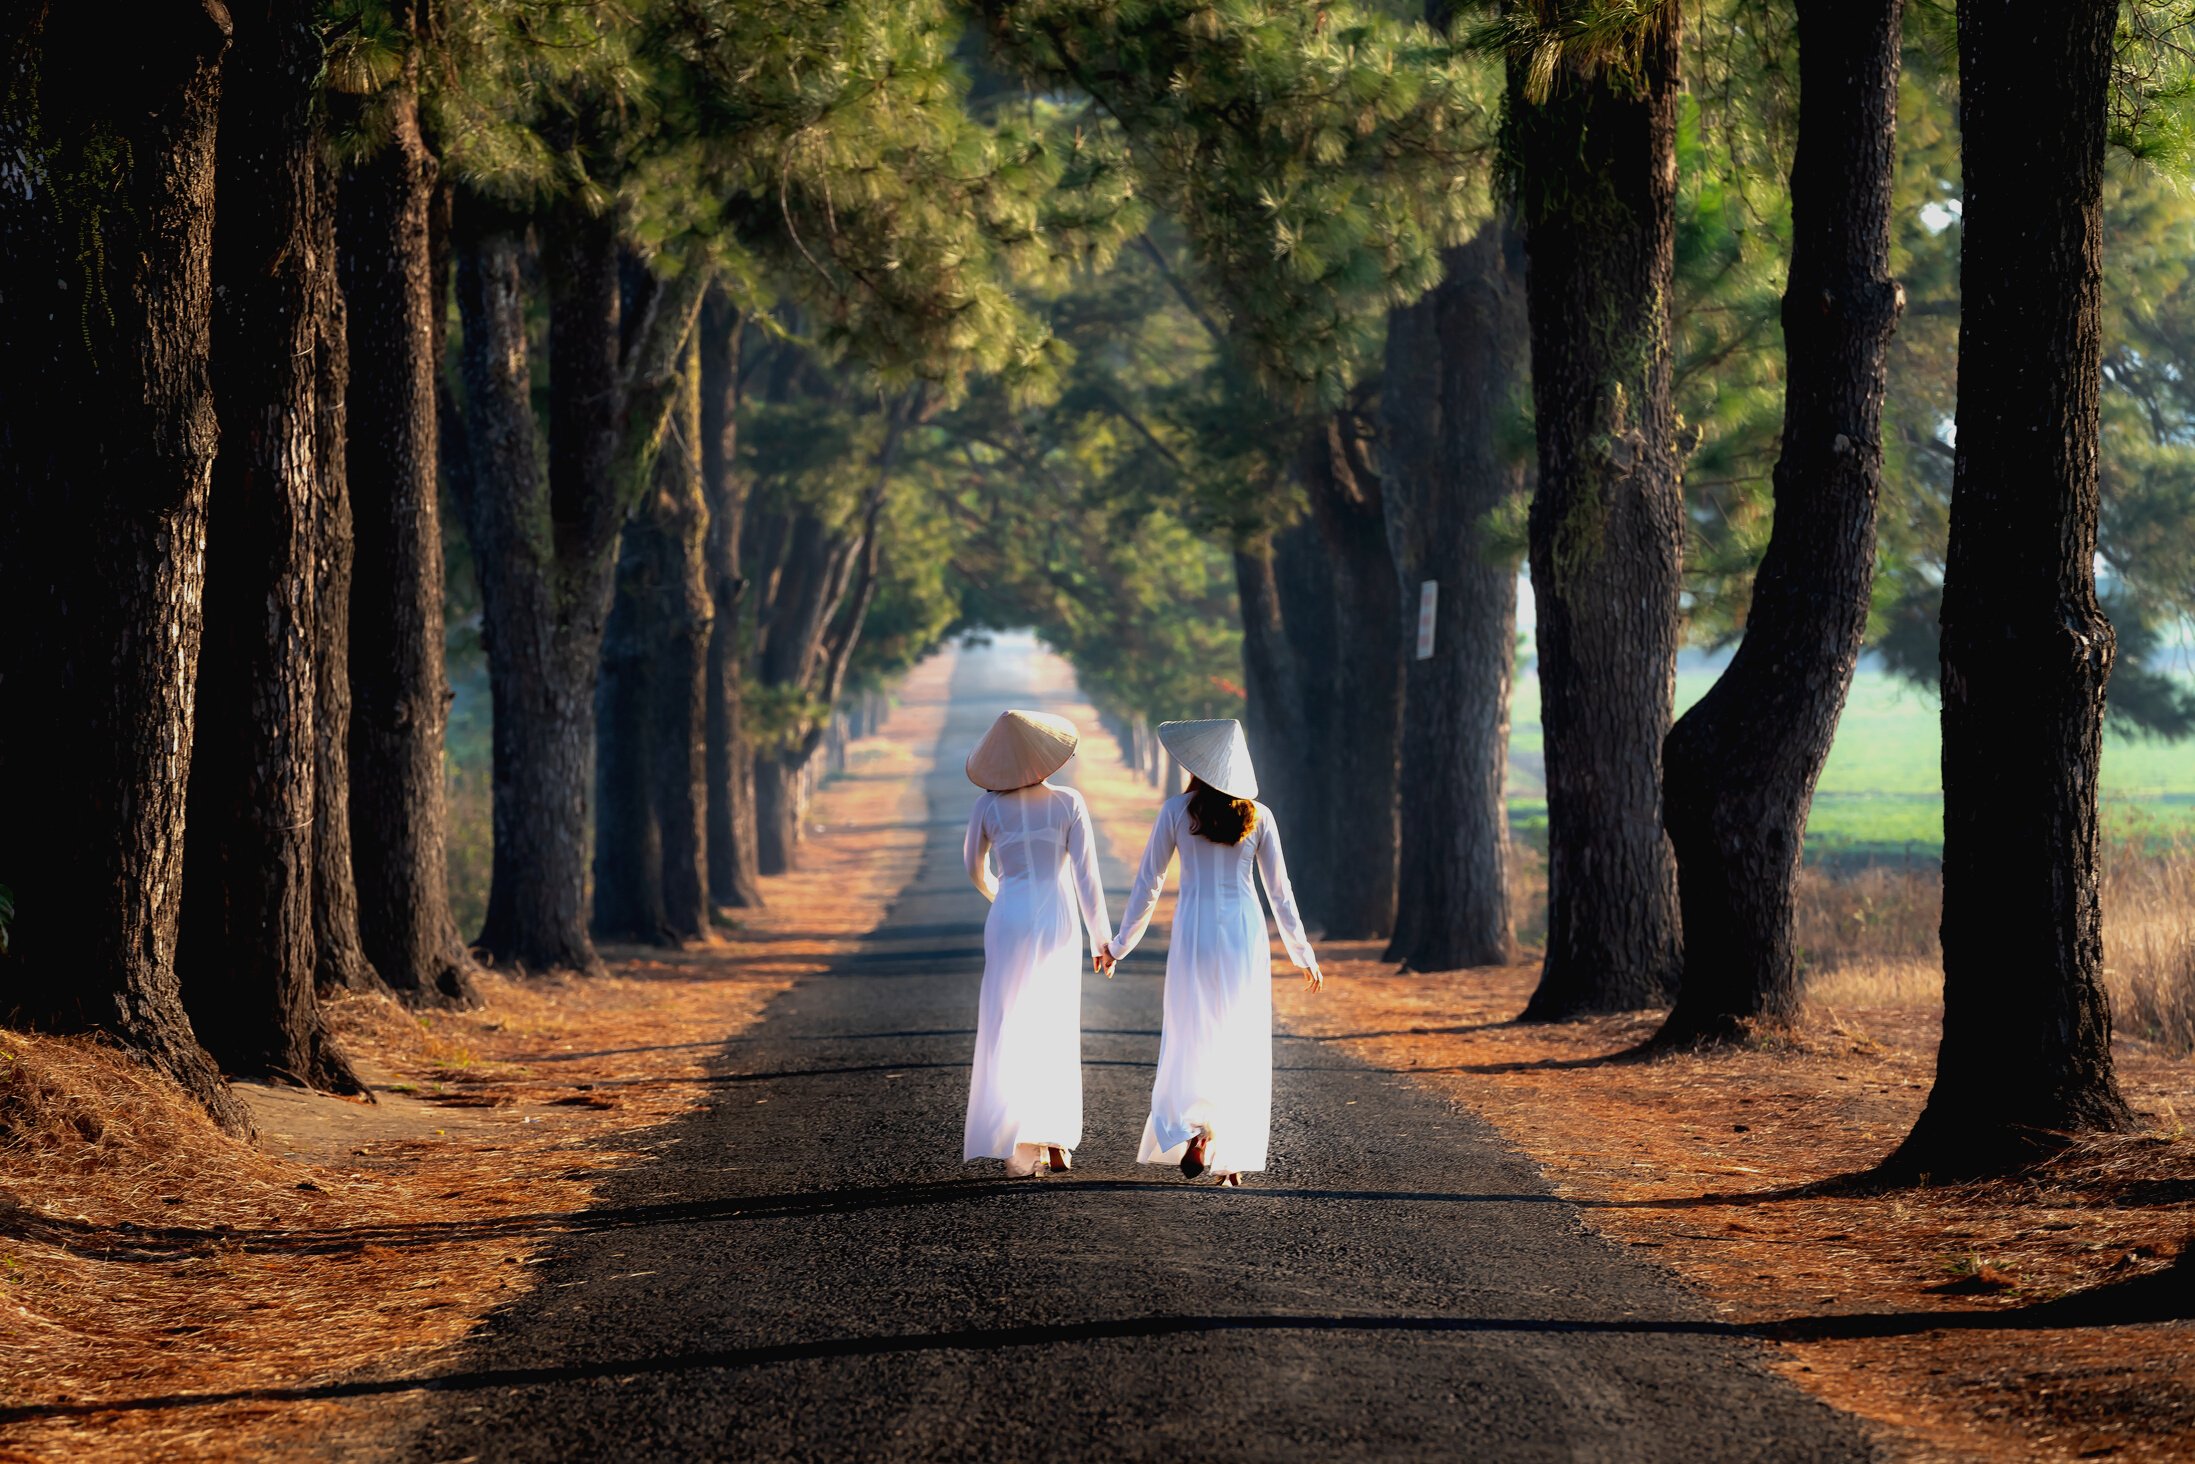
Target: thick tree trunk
[
  {"x": 2026, "y": 1053},
  {"x": 1311, "y": 629},
  {"x": 679, "y": 722},
  {"x": 650, "y": 883},
  {"x": 340, "y": 962},
  {"x": 400, "y": 690},
  {"x": 1597, "y": 179},
  {"x": 246, "y": 952},
  {"x": 546, "y": 552},
  {"x": 734, "y": 881},
  {"x": 540, "y": 618},
  {"x": 1362, "y": 747},
  {"x": 102, "y": 546},
  {"x": 1273, "y": 710},
  {"x": 1456, "y": 369},
  {"x": 1741, "y": 765},
  {"x": 628, "y": 846}
]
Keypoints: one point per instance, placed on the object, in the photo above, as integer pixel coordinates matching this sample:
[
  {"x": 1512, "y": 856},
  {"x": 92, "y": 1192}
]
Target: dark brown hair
[{"x": 1215, "y": 816}]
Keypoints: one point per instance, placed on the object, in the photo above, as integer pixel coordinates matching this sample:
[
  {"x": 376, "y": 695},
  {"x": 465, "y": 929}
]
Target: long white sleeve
[
  {"x": 1089, "y": 886},
  {"x": 1135, "y": 917},
  {"x": 1273, "y": 869},
  {"x": 976, "y": 848}
]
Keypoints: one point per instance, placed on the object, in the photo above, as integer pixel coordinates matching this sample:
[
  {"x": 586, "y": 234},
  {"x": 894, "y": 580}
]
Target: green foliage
[{"x": 1315, "y": 158}]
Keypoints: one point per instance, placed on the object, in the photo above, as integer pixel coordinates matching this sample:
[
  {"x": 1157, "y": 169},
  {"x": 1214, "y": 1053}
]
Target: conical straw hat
[
  {"x": 1216, "y": 751},
  {"x": 1021, "y": 748}
]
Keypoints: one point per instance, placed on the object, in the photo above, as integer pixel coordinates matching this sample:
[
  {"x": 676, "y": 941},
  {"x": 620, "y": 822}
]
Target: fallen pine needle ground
[
  {"x": 1969, "y": 1321},
  {"x": 168, "y": 1291}
]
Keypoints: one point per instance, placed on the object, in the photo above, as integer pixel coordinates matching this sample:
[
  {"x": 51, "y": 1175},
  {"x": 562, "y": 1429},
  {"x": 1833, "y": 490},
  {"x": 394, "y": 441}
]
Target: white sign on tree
[{"x": 1428, "y": 605}]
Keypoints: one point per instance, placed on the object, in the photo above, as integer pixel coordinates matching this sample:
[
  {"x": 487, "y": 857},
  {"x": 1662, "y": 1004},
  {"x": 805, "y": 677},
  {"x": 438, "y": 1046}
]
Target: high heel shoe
[{"x": 1061, "y": 1160}]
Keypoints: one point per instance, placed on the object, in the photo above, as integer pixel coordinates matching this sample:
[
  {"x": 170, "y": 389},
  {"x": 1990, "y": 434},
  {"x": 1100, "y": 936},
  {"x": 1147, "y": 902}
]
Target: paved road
[{"x": 806, "y": 1271}]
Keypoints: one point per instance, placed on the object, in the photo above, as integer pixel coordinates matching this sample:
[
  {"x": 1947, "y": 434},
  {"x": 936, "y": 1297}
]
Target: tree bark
[
  {"x": 340, "y": 958},
  {"x": 102, "y": 548},
  {"x": 680, "y": 723},
  {"x": 734, "y": 880},
  {"x": 650, "y": 848},
  {"x": 818, "y": 593},
  {"x": 546, "y": 550},
  {"x": 1274, "y": 707},
  {"x": 400, "y": 688},
  {"x": 2027, "y": 651},
  {"x": 1741, "y": 765},
  {"x": 1362, "y": 745},
  {"x": 246, "y": 952},
  {"x": 1311, "y": 632},
  {"x": 1596, "y": 164},
  {"x": 1456, "y": 368}
]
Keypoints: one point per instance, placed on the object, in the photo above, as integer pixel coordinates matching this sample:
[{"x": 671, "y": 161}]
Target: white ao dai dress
[
  {"x": 1215, "y": 1055},
  {"x": 1027, "y": 1084}
]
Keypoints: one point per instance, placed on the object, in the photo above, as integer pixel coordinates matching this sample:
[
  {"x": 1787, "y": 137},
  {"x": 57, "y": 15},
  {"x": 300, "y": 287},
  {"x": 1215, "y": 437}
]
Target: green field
[{"x": 1880, "y": 795}]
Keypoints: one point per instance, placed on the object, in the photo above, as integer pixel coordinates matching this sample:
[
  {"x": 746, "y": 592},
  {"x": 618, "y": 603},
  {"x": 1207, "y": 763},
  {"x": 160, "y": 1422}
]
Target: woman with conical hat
[
  {"x": 1025, "y": 1094},
  {"x": 1212, "y": 1102}
]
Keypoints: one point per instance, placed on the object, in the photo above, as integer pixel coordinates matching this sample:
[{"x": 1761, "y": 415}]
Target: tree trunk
[
  {"x": 102, "y": 547},
  {"x": 546, "y": 551},
  {"x": 1312, "y": 635},
  {"x": 2026, "y": 1053},
  {"x": 1596, "y": 163},
  {"x": 681, "y": 722},
  {"x": 1456, "y": 369},
  {"x": 400, "y": 690},
  {"x": 777, "y": 812},
  {"x": 246, "y": 953},
  {"x": 340, "y": 959},
  {"x": 650, "y": 883},
  {"x": 1362, "y": 757},
  {"x": 1273, "y": 710},
  {"x": 628, "y": 845},
  {"x": 734, "y": 881},
  {"x": 1741, "y": 765},
  {"x": 541, "y": 629},
  {"x": 818, "y": 595}
]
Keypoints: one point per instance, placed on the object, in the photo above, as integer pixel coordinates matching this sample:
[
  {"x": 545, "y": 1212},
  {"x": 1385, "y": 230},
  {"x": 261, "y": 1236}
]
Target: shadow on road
[{"x": 2151, "y": 1298}]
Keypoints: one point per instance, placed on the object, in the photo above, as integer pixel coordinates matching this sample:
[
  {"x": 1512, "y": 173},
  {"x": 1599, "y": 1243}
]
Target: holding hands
[{"x": 1104, "y": 961}]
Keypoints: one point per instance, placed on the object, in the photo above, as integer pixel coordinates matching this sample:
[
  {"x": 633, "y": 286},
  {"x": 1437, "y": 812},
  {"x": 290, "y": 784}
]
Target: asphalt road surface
[{"x": 805, "y": 1270}]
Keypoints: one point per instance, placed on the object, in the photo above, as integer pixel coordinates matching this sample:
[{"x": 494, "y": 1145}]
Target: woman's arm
[
  {"x": 1089, "y": 887},
  {"x": 1135, "y": 918},
  {"x": 1273, "y": 869},
  {"x": 976, "y": 848}
]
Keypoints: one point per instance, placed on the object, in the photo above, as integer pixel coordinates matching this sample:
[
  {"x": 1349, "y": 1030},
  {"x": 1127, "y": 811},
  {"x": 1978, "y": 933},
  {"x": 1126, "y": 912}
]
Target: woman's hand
[
  {"x": 1313, "y": 978},
  {"x": 1104, "y": 961}
]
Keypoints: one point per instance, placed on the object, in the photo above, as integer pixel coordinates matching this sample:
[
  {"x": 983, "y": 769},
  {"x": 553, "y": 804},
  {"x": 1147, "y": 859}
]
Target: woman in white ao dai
[
  {"x": 1212, "y": 1100},
  {"x": 1025, "y": 1091}
]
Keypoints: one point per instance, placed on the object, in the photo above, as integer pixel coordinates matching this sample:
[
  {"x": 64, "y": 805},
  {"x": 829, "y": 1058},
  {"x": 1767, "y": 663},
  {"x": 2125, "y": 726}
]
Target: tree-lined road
[{"x": 806, "y": 1271}]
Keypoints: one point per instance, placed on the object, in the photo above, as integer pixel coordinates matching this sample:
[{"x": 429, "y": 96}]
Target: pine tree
[
  {"x": 1591, "y": 139},
  {"x": 106, "y": 232},
  {"x": 2027, "y": 650},
  {"x": 1741, "y": 765}
]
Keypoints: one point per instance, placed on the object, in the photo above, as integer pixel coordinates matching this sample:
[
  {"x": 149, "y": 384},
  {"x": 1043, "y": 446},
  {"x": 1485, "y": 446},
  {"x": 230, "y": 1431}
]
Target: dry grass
[
  {"x": 1869, "y": 935},
  {"x": 145, "y": 1255}
]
